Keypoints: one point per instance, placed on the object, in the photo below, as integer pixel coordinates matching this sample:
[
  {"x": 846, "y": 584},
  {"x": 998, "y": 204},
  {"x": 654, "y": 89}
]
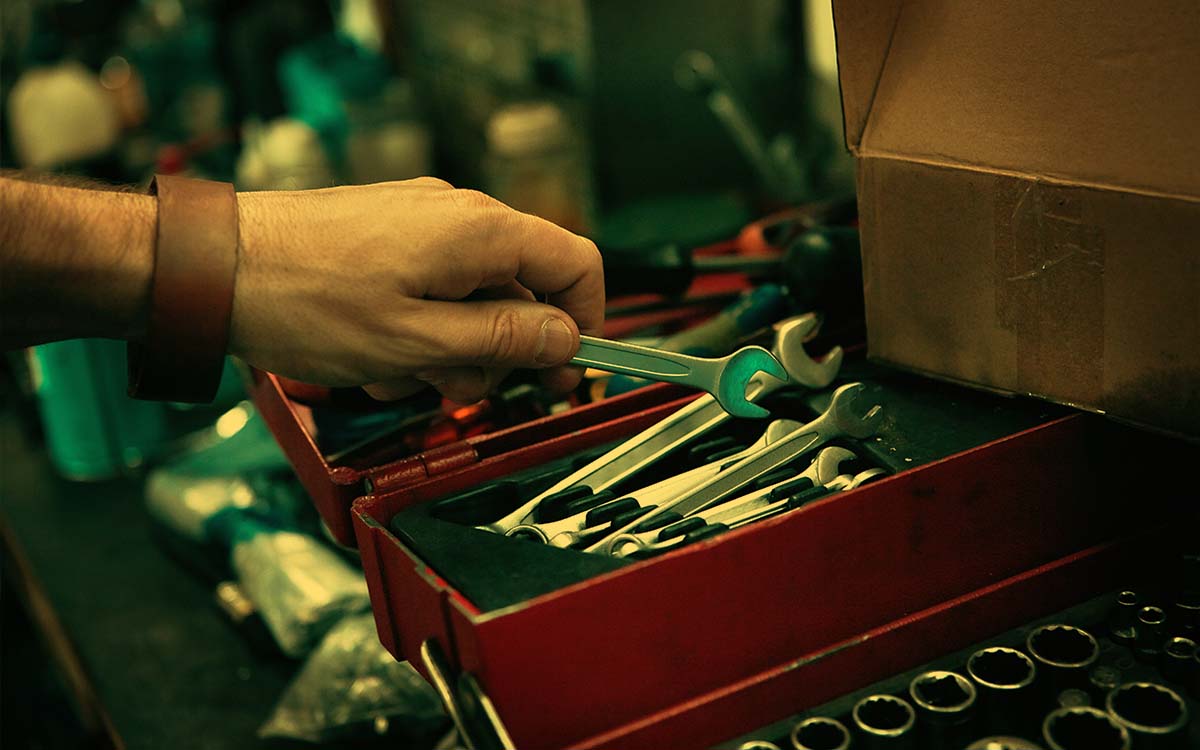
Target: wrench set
[
  {"x": 731, "y": 488},
  {"x": 1119, "y": 672}
]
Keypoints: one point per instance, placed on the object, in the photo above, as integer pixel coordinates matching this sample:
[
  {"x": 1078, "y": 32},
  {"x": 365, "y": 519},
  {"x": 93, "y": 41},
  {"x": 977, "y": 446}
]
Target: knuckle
[
  {"x": 431, "y": 182},
  {"x": 473, "y": 200},
  {"x": 591, "y": 251},
  {"x": 502, "y": 342}
]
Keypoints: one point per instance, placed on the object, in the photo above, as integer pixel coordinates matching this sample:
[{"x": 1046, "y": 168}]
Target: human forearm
[
  {"x": 391, "y": 286},
  {"x": 73, "y": 262}
]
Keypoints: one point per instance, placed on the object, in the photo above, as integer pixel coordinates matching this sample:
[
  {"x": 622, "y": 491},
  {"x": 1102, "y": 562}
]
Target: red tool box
[
  {"x": 334, "y": 487},
  {"x": 710, "y": 641}
]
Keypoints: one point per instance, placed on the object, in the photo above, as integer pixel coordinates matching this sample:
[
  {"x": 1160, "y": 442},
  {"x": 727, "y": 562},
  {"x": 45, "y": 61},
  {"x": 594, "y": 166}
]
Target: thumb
[{"x": 504, "y": 333}]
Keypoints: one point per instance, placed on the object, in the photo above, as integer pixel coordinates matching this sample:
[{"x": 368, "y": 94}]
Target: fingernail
[{"x": 555, "y": 343}]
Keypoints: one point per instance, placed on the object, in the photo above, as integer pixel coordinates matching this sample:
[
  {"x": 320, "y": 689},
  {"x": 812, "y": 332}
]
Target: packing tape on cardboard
[{"x": 1050, "y": 288}]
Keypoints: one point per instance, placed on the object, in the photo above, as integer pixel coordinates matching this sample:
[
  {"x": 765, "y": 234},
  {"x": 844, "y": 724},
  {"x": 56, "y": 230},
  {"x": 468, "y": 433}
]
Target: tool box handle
[{"x": 473, "y": 713}]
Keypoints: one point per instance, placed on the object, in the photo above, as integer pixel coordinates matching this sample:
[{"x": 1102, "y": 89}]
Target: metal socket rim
[
  {"x": 758, "y": 745},
  {"x": 1003, "y": 743},
  {"x": 1011, "y": 654},
  {"x": 1039, "y": 633},
  {"x": 877, "y": 731},
  {"x": 923, "y": 702},
  {"x": 1128, "y": 598},
  {"x": 1158, "y": 614},
  {"x": 1094, "y": 714},
  {"x": 1120, "y": 713},
  {"x": 833, "y": 727},
  {"x": 1189, "y": 605},
  {"x": 1180, "y": 648}
]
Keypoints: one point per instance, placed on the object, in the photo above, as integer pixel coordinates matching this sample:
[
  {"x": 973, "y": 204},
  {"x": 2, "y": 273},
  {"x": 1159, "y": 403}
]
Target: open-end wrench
[
  {"x": 697, "y": 418},
  {"x": 567, "y": 531},
  {"x": 843, "y": 417},
  {"x": 802, "y": 370},
  {"x": 725, "y": 378},
  {"x": 824, "y": 468},
  {"x": 755, "y": 507}
]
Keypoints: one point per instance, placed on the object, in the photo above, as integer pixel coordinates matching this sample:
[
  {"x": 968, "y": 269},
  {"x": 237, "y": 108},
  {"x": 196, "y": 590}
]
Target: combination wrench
[
  {"x": 725, "y": 378},
  {"x": 574, "y": 528},
  {"x": 697, "y": 418},
  {"x": 755, "y": 507},
  {"x": 843, "y": 418},
  {"x": 825, "y": 468}
]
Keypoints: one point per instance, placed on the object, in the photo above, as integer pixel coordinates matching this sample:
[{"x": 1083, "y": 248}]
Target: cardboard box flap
[
  {"x": 864, "y": 33},
  {"x": 1018, "y": 87}
]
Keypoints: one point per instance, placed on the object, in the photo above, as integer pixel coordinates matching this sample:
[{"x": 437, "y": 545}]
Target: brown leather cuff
[{"x": 191, "y": 297}]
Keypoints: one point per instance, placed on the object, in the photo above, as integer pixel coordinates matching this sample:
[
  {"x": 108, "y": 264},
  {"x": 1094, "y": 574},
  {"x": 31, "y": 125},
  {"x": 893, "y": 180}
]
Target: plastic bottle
[{"x": 536, "y": 162}]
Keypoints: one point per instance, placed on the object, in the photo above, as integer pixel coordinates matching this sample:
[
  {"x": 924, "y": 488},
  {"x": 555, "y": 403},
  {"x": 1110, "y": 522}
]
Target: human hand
[{"x": 397, "y": 285}]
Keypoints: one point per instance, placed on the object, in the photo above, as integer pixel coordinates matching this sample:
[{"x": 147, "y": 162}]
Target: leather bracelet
[{"x": 191, "y": 294}]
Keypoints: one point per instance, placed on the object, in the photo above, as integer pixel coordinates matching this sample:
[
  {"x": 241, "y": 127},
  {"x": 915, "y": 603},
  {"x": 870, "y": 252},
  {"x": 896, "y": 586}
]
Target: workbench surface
[{"x": 165, "y": 670}]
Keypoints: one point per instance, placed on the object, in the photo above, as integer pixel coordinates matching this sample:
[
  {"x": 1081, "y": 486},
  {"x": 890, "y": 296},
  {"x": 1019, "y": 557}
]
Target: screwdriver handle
[
  {"x": 666, "y": 270},
  {"x": 669, "y": 269}
]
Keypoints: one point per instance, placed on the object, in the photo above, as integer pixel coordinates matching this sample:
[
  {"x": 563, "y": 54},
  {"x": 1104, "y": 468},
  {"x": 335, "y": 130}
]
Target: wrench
[
  {"x": 725, "y": 378},
  {"x": 697, "y": 418},
  {"x": 823, "y": 469},
  {"x": 755, "y": 508},
  {"x": 842, "y": 418},
  {"x": 567, "y": 531}
]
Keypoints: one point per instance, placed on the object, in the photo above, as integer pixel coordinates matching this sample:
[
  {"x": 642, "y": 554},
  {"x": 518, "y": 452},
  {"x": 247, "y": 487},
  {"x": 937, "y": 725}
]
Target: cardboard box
[{"x": 1029, "y": 195}]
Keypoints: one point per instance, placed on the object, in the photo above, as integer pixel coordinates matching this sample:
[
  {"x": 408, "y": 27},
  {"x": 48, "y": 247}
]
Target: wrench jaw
[
  {"x": 739, "y": 369},
  {"x": 846, "y": 412},
  {"x": 789, "y": 350},
  {"x": 863, "y": 477},
  {"x": 826, "y": 371},
  {"x": 828, "y": 462}
]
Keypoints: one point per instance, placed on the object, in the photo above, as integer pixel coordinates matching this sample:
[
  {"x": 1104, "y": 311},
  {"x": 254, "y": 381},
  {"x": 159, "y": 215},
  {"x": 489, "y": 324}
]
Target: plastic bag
[
  {"x": 352, "y": 687},
  {"x": 300, "y": 586}
]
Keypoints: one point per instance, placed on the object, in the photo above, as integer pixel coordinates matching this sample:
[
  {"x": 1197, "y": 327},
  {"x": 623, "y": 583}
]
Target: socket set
[{"x": 1119, "y": 672}]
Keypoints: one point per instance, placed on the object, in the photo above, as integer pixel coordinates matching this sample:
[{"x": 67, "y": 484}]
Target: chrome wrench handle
[
  {"x": 757, "y": 508},
  {"x": 645, "y": 362},
  {"x": 840, "y": 418},
  {"x": 823, "y": 469},
  {"x": 725, "y": 378},
  {"x": 574, "y": 528},
  {"x": 628, "y": 458},
  {"x": 697, "y": 418}
]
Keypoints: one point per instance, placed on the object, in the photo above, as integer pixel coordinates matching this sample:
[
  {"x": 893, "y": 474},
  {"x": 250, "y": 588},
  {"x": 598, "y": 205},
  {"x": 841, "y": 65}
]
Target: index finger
[
  {"x": 562, "y": 265},
  {"x": 553, "y": 263}
]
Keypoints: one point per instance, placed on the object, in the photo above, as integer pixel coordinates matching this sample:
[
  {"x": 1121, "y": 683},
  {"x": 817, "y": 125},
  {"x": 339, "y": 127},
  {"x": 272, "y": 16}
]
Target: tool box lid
[{"x": 1104, "y": 95}]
